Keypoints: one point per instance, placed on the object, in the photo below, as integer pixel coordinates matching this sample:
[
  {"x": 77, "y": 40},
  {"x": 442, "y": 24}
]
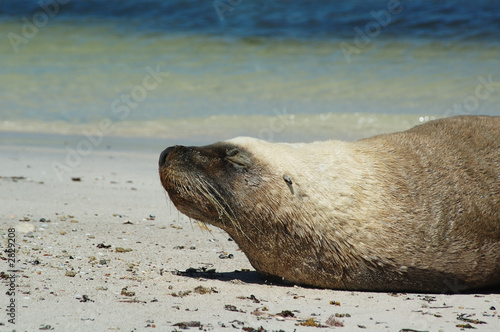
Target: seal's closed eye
[
  {"x": 232, "y": 152},
  {"x": 238, "y": 158}
]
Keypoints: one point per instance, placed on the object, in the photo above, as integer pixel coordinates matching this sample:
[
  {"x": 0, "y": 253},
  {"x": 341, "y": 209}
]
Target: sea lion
[{"x": 417, "y": 210}]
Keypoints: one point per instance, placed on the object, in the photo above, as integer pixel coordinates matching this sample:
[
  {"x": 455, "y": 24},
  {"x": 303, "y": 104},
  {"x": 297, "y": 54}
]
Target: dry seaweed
[
  {"x": 187, "y": 325},
  {"x": 469, "y": 320},
  {"x": 230, "y": 307},
  {"x": 309, "y": 322},
  {"x": 125, "y": 292},
  {"x": 205, "y": 290},
  {"x": 286, "y": 313},
  {"x": 85, "y": 298}
]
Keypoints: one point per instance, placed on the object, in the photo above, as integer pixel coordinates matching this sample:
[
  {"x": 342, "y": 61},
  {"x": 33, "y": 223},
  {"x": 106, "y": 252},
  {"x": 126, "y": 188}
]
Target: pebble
[
  {"x": 226, "y": 256},
  {"x": 120, "y": 249}
]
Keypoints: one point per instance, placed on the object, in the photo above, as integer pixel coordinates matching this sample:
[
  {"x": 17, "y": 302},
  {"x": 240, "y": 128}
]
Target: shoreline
[
  {"x": 68, "y": 278},
  {"x": 280, "y": 125}
]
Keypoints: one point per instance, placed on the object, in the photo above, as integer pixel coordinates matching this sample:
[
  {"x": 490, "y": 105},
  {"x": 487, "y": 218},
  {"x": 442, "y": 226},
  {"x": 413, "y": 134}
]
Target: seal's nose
[{"x": 163, "y": 156}]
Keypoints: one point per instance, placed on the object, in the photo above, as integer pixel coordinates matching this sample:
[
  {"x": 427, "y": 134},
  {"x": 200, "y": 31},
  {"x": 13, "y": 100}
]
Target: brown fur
[{"x": 412, "y": 211}]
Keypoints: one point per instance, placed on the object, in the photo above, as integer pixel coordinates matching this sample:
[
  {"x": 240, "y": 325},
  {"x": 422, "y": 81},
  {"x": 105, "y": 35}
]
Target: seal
[{"x": 417, "y": 210}]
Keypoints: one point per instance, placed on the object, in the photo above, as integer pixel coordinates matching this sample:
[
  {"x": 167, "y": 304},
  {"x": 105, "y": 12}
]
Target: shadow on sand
[
  {"x": 249, "y": 277},
  {"x": 253, "y": 277}
]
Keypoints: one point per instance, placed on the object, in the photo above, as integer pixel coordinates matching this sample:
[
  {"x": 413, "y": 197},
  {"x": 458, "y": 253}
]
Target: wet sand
[{"x": 99, "y": 247}]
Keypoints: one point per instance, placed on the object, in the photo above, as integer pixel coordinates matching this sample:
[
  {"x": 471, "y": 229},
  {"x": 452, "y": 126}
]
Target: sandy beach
[
  {"x": 99, "y": 247},
  {"x": 92, "y": 91}
]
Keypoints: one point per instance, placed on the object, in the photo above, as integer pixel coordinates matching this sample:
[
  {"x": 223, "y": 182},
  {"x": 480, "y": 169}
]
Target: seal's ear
[
  {"x": 238, "y": 158},
  {"x": 289, "y": 182}
]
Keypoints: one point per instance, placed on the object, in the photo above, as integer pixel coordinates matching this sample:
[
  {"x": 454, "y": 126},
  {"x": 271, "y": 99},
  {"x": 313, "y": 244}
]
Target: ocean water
[{"x": 200, "y": 71}]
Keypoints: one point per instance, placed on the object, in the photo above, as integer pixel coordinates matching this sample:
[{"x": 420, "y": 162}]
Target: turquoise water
[{"x": 186, "y": 71}]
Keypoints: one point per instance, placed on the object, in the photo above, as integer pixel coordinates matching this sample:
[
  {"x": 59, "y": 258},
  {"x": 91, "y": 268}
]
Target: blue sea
[{"x": 186, "y": 71}]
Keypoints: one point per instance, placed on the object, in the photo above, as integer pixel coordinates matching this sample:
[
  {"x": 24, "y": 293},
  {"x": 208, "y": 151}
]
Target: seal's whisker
[
  {"x": 220, "y": 204},
  {"x": 215, "y": 201},
  {"x": 225, "y": 208},
  {"x": 212, "y": 195},
  {"x": 168, "y": 201}
]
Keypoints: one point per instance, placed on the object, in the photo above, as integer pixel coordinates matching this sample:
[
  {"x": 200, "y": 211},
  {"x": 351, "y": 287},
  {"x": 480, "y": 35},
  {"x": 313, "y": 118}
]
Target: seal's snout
[{"x": 163, "y": 156}]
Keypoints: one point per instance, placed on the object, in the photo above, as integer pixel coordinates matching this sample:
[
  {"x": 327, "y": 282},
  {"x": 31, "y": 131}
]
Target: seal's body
[{"x": 412, "y": 211}]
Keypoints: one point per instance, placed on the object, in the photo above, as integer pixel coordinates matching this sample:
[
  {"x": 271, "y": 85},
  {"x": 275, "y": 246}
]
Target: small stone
[
  {"x": 226, "y": 256},
  {"x": 70, "y": 274},
  {"x": 120, "y": 249}
]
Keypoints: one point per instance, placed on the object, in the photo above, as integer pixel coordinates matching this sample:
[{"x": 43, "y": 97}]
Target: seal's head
[{"x": 211, "y": 183}]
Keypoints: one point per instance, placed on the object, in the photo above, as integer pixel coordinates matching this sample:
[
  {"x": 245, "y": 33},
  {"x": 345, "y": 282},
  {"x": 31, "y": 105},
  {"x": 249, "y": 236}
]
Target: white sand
[{"x": 132, "y": 291}]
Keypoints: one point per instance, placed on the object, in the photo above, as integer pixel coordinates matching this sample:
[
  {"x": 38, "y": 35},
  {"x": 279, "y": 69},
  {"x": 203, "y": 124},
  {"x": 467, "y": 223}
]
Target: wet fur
[{"x": 411, "y": 211}]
